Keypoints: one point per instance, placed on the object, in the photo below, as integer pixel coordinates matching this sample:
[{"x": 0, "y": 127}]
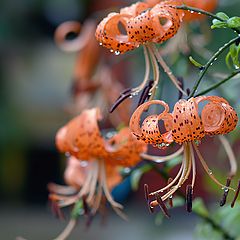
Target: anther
[
  {"x": 119, "y": 101},
  {"x": 162, "y": 205},
  {"x": 236, "y": 195},
  {"x": 170, "y": 200},
  {"x": 56, "y": 210},
  {"x": 181, "y": 85},
  {"x": 151, "y": 209},
  {"x": 225, "y": 194},
  {"x": 145, "y": 93},
  {"x": 188, "y": 91},
  {"x": 189, "y": 193}
]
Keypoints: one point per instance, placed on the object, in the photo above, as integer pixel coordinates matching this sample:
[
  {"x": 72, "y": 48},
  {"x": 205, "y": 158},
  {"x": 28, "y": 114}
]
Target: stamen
[
  {"x": 162, "y": 205},
  {"x": 146, "y": 192},
  {"x": 208, "y": 171},
  {"x": 236, "y": 195},
  {"x": 56, "y": 210},
  {"x": 85, "y": 206},
  {"x": 67, "y": 231},
  {"x": 230, "y": 154},
  {"x": 121, "y": 98},
  {"x": 166, "y": 69},
  {"x": 145, "y": 93},
  {"x": 188, "y": 91},
  {"x": 170, "y": 201},
  {"x": 225, "y": 194},
  {"x": 189, "y": 194},
  {"x": 160, "y": 159},
  {"x": 181, "y": 85}
]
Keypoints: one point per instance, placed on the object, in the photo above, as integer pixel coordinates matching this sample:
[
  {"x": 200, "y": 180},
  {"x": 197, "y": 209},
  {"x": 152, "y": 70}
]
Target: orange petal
[
  {"x": 218, "y": 116},
  {"x": 135, "y": 9},
  {"x": 109, "y": 35},
  {"x": 113, "y": 176},
  {"x": 124, "y": 149},
  {"x": 75, "y": 173},
  {"x": 207, "y": 5},
  {"x": 187, "y": 125},
  {"x": 149, "y": 132}
]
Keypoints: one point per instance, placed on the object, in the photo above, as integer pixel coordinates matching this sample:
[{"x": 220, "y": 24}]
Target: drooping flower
[
  {"x": 94, "y": 162},
  {"x": 92, "y": 78},
  {"x": 141, "y": 25},
  {"x": 186, "y": 127}
]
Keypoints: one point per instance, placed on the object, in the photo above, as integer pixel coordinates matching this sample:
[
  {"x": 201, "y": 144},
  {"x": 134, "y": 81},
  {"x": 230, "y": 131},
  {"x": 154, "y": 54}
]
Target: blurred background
[{"x": 35, "y": 83}]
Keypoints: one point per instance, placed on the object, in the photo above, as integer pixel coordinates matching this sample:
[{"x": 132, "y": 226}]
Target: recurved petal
[
  {"x": 218, "y": 116},
  {"x": 134, "y": 9},
  {"x": 149, "y": 130},
  {"x": 112, "y": 34}
]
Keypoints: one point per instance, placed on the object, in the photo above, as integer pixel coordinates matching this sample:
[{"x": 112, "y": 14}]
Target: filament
[
  {"x": 230, "y": 154},
  {"x": 206, "y": 168},
  {"x": 147, "y": 72},
  {"x": 193, "y": 166},
  {"x": 67, "y": 231},
  {"x": 160, "y": 159},
  {"x": 166, "y": 68}
]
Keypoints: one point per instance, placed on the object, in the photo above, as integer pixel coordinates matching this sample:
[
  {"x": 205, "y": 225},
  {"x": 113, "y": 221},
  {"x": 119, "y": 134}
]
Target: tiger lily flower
[
  {"x": 138, "y": 25},
  {"x": 186, "y": 127}
]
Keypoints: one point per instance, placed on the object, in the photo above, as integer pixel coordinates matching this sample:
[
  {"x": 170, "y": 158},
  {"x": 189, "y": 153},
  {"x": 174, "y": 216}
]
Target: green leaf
[
  {"x": 199, "y": 207},
  {"x": 233, "y": 22},
  {"x": 175, "y": 161},
  {"x": 222, "y": 15},
  {"x": 77, "y": 210},
  {"x": 137, "y": 174},
  {"x": 218, "y": 24},
  {"x": 194, "y": 62}
]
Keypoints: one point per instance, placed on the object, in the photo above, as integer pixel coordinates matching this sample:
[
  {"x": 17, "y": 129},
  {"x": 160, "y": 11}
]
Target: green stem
[
  {"x": 197, "y": 10},
  {"x": 210, "y": 62},
  {"x": 218, "y": 84}
]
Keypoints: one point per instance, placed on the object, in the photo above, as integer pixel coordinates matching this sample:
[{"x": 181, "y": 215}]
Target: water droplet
[
  {"x": 100, "y": 44},
  {"x": 127, "y": 170},
  {"x": 210, "y": 171},
  {"x": 116, "y": 53},
  {"x": 67, "y": 154},
  {"x": 215, "y": 59},
  {"x": 111, "y": 50},
  {"x": 171, "y": 197},
  {"x": 199, "y": 13},
  {"x": 226, "y": 190},
  {"x": 191, "y": 11},
  {"x": 84, "y": 163},
  {"x": 211, "y": 64},
  {"x": 161, "y": 190},
  {"x": 150, "y": 94},
  {"x": 130, "y": 96}
]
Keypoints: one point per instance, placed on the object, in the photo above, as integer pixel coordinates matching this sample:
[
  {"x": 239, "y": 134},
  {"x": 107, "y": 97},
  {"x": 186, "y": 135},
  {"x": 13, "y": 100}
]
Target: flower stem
[
  {"x": 197, "y": 10},
  {"x": 218, "y": 84},
  {"x": 210, "y": 62}
]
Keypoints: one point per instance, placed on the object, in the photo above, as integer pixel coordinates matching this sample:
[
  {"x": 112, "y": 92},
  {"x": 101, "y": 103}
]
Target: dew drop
[
  {"x": 171, "y": 197},
  {"x": 116, "y": 53},
  {"x": 83, "y": 163},
  {"x": 210, "y": 171},
  {"x": 100, "y": 44},
  {"x": 191, "y": 11},
  {"x": 199, "y": 13},
  {"x": 130, "y": 96},
  {"x": 111, "y": 50}
]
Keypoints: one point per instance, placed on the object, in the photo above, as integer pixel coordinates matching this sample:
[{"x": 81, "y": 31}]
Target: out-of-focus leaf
[
  {"x": 222, "y": 15},
  {"x": 77, "y": 210},
  {"x": 200, "y": 208},
  {"x": 137, "y": 174},
  {"x": 178, "y": 201},
  {"x": 205, "y": 231},
  {"x": 194, "y": 62},
  {"x": 173, "y": 162},
  {"x": 159, "y": 219},
  {"x": 233, "y": 56},
  {"x": 233, "y": 22}
]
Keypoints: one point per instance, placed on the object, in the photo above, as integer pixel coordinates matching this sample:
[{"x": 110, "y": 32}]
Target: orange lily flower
[
  {"x": 186, "y": 127},
  {"x": 141, "y": 25},
  {"x": 91, "y": 78},
  {"x": 94, "y": 162}
]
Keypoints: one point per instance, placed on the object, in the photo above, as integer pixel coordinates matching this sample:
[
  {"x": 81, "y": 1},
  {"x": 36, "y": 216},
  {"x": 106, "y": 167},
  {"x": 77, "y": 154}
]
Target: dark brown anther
[
  {"x": 85, "y": 206},
  {"x": 56, "y": 210},
  {"x": 189, "y": 193},
  {"x": 162, "y": 205},
  {"x": 119, "y": 101},
  {"x": 145, "y": 93},
  {"x": 181, "y": 85},
  {"x": 188, "y": 91},
  {"x": 225, "y": 194},
  {"x": 236, "y": 195},
  {"x": 146, "y": 192},
  {"x": 170, "y": 199}
]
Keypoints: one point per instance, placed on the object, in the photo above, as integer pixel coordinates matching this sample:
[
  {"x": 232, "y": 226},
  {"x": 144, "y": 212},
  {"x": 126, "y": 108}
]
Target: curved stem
[
  {"x": 67, "y": 231},
  {"x": 218, "y": 84},
  {"x": 197, "y": 10},
  {"x": 210, "y": 62}
]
